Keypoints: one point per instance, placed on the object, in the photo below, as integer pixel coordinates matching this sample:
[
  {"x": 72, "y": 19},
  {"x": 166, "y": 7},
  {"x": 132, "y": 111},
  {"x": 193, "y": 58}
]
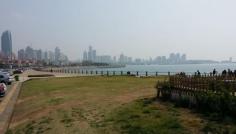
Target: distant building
[
  {"x": 114, "y": 59},
  {"x": 39, "y": 55},
  {"x": 6, "y": 44},
  {"x": 104, "y": 59},
  {"x": 57, "y": 54},
  {"x": 21, "y": 54},
  {"x": 90, "y": 53},
  {"x": 45, "y": 56},
  {"x": 29, "y": 53},
  {"x": 94, "y": 55},
  {"x": 122, "y": 58},
  {"x": 51, "y": 56},
  {"x": 230, "y": 59},
  {"x": 85, "y": 56},
  {"x": 183, "y": 58}
]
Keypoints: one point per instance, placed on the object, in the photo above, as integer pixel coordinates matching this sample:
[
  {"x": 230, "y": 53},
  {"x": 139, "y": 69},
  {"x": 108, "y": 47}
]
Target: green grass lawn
[
  {"x": 101, "y": 105},
  {"x": 75, "y": 105}
]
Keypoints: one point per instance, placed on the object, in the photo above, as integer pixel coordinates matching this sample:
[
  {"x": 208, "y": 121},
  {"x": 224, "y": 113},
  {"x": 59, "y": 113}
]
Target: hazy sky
[{"x": 203, "y": 29}]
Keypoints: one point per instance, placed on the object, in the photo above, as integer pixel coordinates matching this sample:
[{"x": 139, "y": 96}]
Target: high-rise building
[
  {"x": 6, "y": 42},
  {"x": 85, "y": 56},
  {"x": 51, "y": 56},
  {"x": 122, "y": 58},
  {"x": 90, "y": 52},
  {"x": 57, "y": 54},
  {"x": 29, "y": 53},
  {"x": 21, "y": 54},
  {"x": 114, "y": 58},
  {"x": 45, "y": 56},
  {"x": 94, "y": 54},
  {"x": 184, "y": 58},
  {"x": 39, "y": 55}
]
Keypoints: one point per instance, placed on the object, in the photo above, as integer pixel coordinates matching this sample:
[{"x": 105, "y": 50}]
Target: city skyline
[
  {"x": 141, "y": 29},
  {"x": 50, "y": 57},
  {"x": 90, "y": 55},
  {"x": 58, "y": 58}
]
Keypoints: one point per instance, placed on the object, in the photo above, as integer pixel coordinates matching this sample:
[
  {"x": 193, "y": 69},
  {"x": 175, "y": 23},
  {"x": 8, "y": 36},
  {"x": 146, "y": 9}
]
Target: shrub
[{"x": 217, "y": 99}]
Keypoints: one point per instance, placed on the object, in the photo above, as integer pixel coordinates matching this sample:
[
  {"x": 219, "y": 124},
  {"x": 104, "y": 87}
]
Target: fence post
[
  {"x": 101, "y": 72},
  {"x": 121, "y": 72},
  {"x": 146, "y": 73},
  {"x": 96, "y": 72},
  {"x": 91, "y": 72},
  {"x": 114, "y": 73},
  {"x": 137, "y": 73},
  {"x": 169, "y": 74},
  {"x": 107, "y": 73},
  {"x": 156, "y": 73}
]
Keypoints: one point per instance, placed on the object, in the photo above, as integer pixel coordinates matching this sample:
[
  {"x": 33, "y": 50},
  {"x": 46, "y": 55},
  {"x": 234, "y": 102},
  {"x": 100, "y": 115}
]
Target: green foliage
[
  {"x": 166, "y": 91},
  {"x": 215, "y": 128},
  {"x": 217, "y": 99},
  {"x": 17, "y": 77}
]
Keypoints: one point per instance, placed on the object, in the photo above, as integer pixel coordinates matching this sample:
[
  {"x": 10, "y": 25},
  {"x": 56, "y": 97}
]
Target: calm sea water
[{"x": 188, "y": 68}]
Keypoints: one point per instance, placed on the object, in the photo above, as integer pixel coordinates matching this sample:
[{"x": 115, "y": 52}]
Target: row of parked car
[{"x": 6, "y": 78}]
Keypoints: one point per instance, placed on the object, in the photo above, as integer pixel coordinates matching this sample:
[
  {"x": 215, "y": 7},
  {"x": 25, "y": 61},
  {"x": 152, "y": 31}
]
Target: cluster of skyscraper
[
  {"x": 91, "y": 55},
  {"x": 6, "y": 46},
  {"x": 49, "y": 57},
  {"x": 172, "y": 59},
  {"x": 163, "y": 60}
]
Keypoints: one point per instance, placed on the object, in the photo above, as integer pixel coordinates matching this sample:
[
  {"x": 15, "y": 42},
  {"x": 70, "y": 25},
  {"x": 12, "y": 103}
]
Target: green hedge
[{"x": 218, "y": 99}]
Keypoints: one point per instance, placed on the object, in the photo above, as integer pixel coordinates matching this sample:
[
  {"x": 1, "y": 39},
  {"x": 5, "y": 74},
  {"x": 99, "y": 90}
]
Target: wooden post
[
  {"x": 146, "y": 73},
  {"x": 137, "y": 73},
  {"x": 121, "y": 72},
  {"x": 114, "y": 73},
  {"x": 156, "y": 74},
  {"x": 107, "y": 73}
]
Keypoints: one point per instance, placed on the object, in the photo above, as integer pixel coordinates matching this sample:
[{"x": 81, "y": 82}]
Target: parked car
[
  {"x": 7, "y": 71},
  {"x": 3, "y": 89},
  {"x": 18, "y": 71},
  {"x": 4, "y": 78}
]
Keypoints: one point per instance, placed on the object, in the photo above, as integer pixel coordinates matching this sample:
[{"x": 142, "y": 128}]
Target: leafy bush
[{"x": 217, "y": 99}]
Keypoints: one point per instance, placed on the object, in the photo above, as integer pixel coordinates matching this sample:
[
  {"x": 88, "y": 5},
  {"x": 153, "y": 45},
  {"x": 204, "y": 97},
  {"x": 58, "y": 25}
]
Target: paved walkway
[
  {"x": 33, "y": 72},
  {"x": 7, "y": 106}
]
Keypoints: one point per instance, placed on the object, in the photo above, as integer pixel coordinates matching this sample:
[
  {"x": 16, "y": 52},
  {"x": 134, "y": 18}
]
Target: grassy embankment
[{"x": 94, "y": 105}]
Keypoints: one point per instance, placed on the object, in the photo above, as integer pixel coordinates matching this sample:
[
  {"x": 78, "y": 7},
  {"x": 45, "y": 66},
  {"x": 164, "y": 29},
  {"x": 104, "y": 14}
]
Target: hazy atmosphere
[{"x": 203, "y": 29}]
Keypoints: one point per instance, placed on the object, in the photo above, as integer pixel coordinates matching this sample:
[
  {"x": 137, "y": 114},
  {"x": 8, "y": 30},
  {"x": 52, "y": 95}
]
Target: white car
[{"x": 3, "y": 89}]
